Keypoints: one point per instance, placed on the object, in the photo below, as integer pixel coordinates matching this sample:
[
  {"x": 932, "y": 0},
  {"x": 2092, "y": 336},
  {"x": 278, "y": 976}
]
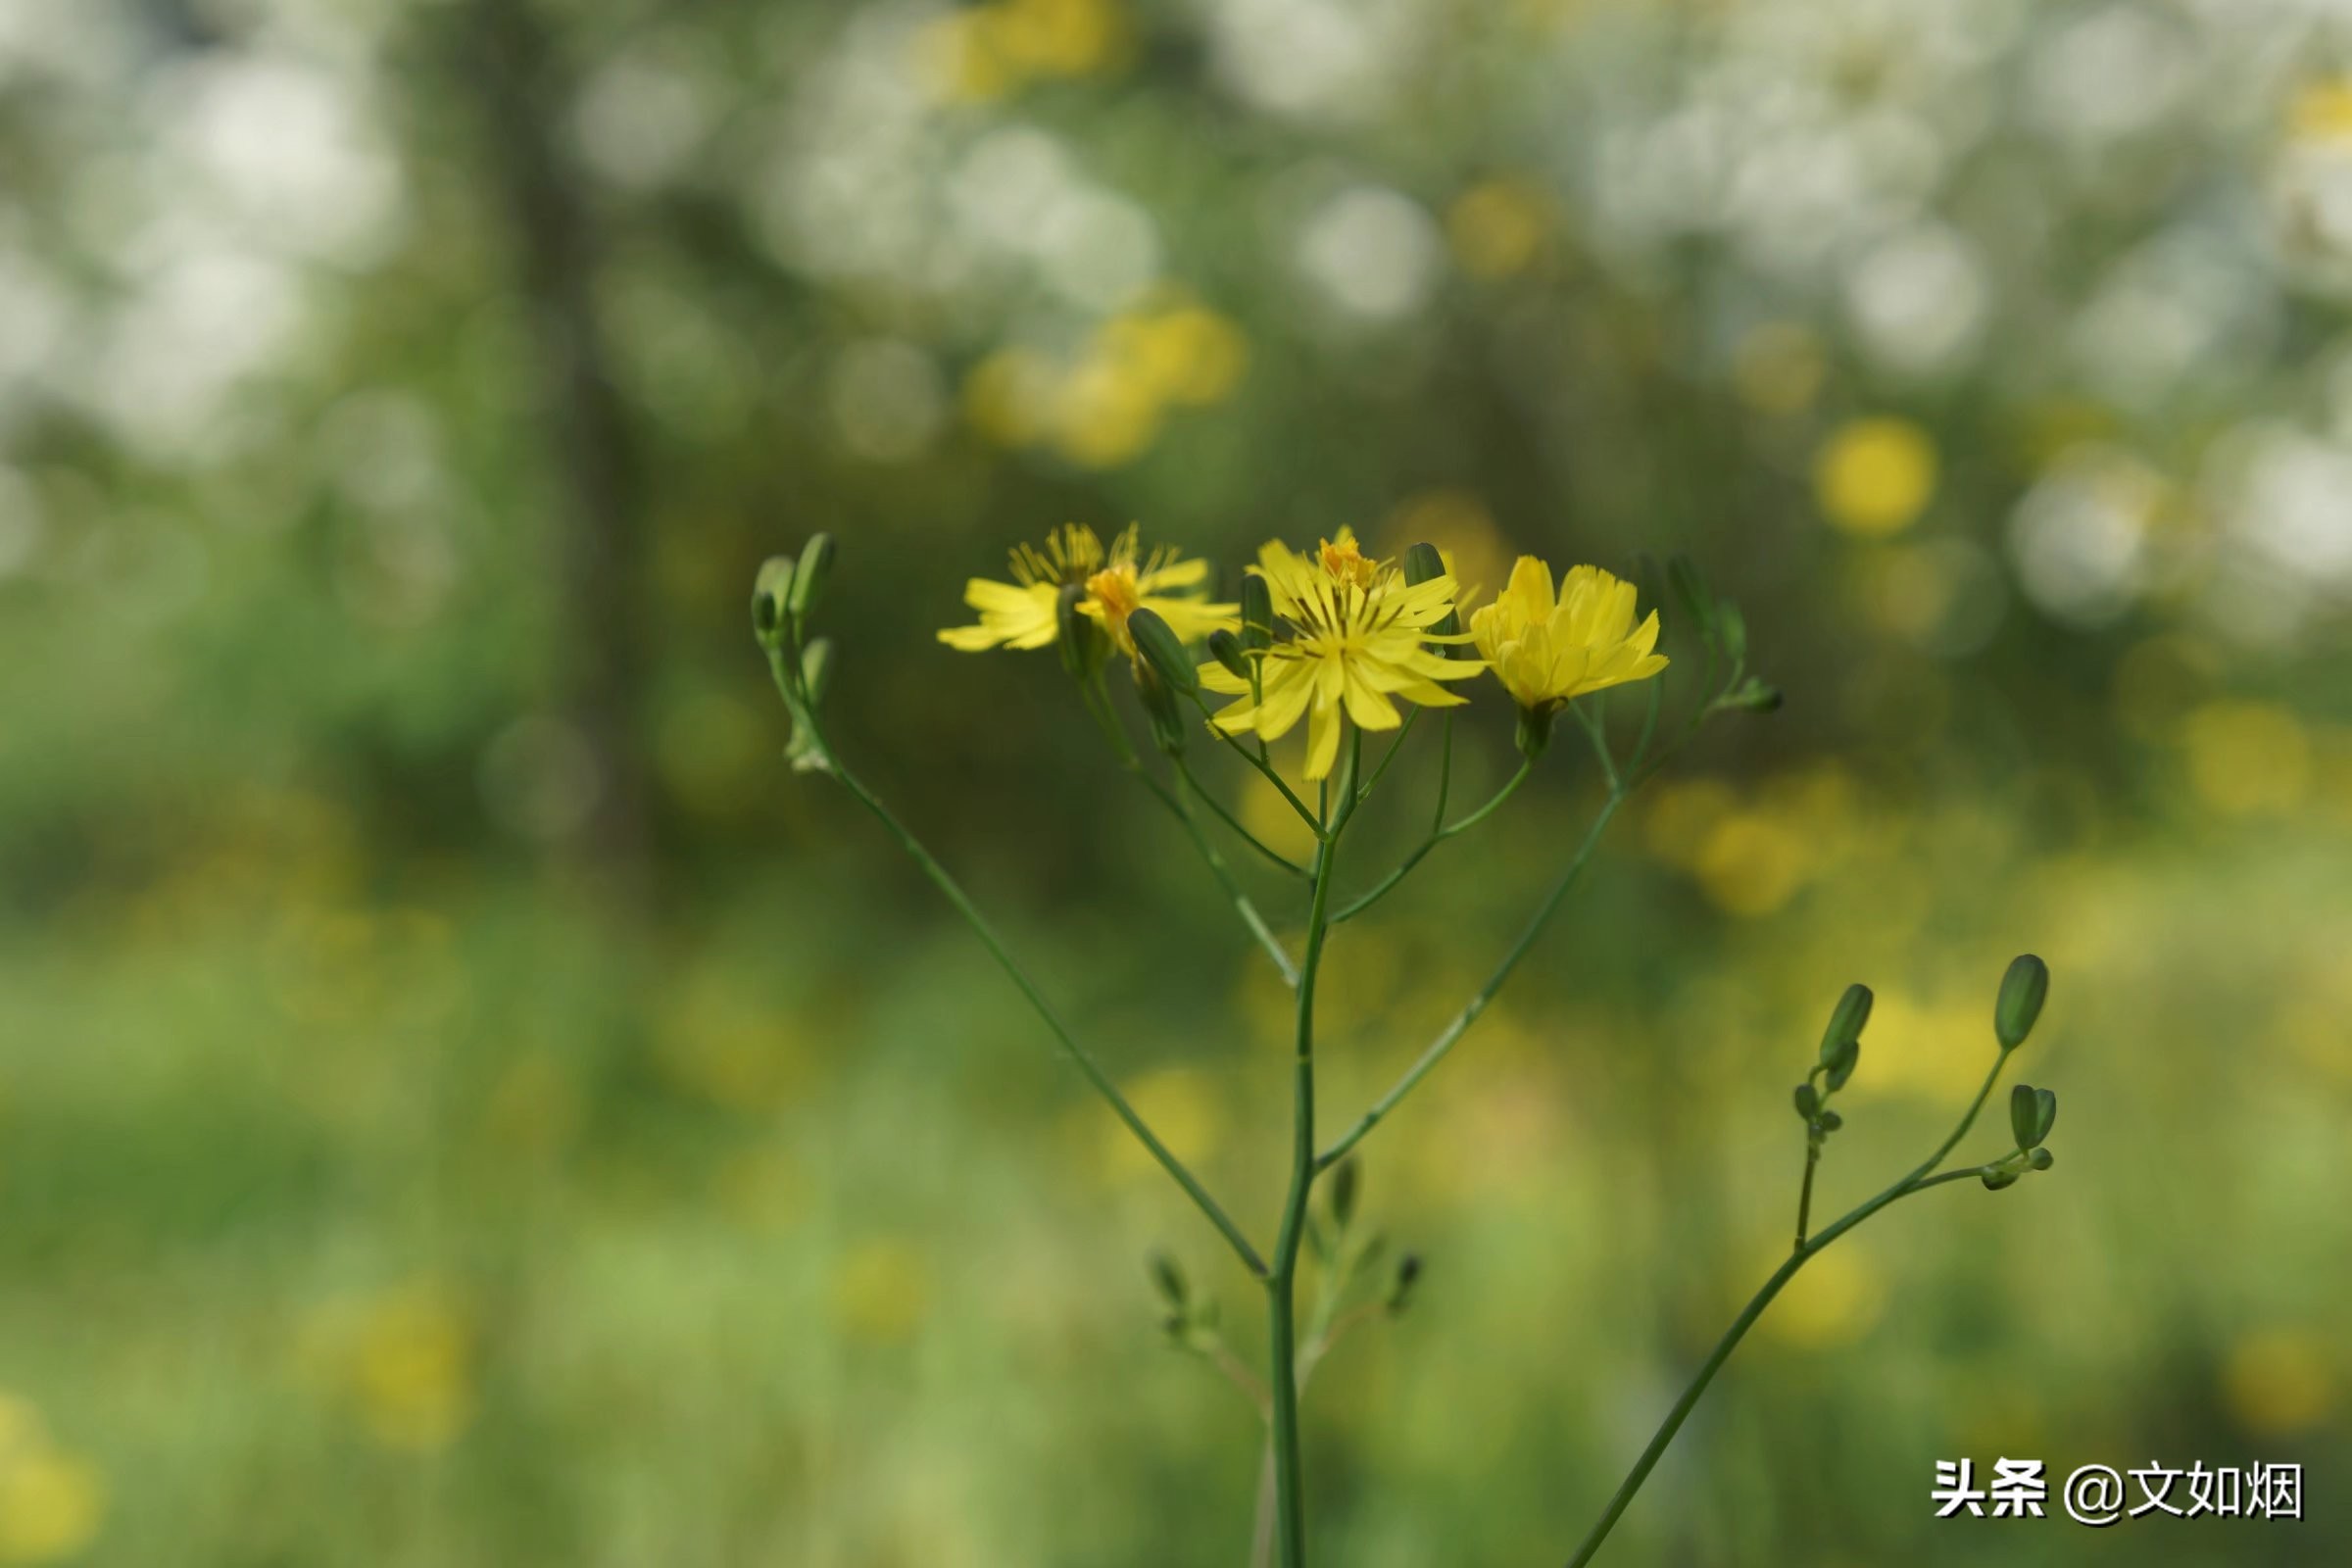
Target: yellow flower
[
  {"x": 1548, "y": 652},
  {"x": 1357, "y": 634},
  {"x": 1118, "y": 582}
]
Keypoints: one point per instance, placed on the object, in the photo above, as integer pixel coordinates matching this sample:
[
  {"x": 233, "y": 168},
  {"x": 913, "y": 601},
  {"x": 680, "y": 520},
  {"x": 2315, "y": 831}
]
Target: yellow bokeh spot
[
  {"x": 2321, "y": 111},
  {"x": 1189, "y": 354},
  {"x": 1752, "y": 863},
  {"x": 2246, "y": 758},
  {"x": 1496, "y": 228},
  {"x": 1834, "y": 1300},
  {"x": 2280, "y": 1381},
  {"x": 50, "y": 1506},
  {"x": 1108, "y": 415},
  {"x": 1874, "y": 477},
  {"x": 1009, "y": 397},
  {"x": 987, "y": 51},
  {"x": 1460, "y": 526},
  {"x": 1175, "y": 1103},
  {"x": 410, "y": 1370},
  {"x": 1779, "y": 368},
  {"x": 881, "y": 1291}
]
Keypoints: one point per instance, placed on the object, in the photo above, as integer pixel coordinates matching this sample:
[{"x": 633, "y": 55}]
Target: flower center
[
  {"x": 1114, "y": 588},
  {"x": 1345, "y": 562}
]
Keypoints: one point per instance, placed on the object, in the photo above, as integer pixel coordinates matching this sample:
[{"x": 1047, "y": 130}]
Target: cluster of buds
[{"x": 783, "y": 596}]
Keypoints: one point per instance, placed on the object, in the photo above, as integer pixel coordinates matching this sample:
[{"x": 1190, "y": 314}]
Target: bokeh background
[{"x": 463, "y": 1102}]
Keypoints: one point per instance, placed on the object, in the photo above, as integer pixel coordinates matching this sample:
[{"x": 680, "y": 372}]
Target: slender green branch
[
  {"x": 1804, "y": 1193},
  {"x": 1917, "y": 1181},
  {"x": 1098, "y": 703},
  {"x": 1436, "y": 837},
  {"x": 1077, "y": 1053},
  {"x": 1463, "y": 1021},
  {"x": 1260, "y": 762},
  {"x": 1185, "y": 770},
  {"x": 1411, "y": 718}
]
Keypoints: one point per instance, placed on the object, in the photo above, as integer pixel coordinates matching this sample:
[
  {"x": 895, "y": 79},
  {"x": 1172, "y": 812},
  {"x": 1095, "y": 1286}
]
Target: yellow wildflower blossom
[
  {"x": 1356, "y": 635},
  {"x": 1548, "y": 652},
  {"x": 1118, "y": 581}
]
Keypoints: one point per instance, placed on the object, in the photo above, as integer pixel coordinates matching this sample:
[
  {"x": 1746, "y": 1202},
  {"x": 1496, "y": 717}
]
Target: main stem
[{"x": 1282, "y": 1275}]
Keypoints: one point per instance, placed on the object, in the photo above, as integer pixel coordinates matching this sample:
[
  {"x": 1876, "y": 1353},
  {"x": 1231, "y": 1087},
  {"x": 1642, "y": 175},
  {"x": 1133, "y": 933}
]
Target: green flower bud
[
  {"x": 1753, "y": 695},
  {"x": 1731, "y": 630},
  {"x": 1226, "y": 649},
  {"x": 1257, "y": 614},
  {"x": 1996, "y": 1177},
  {"x": 808, "y": 581},
  {"x": 816, "y": 670},
  {"x": 1082, "y": 642},
  {"x": 1408, "y": 1275},
  {"x": 2041, "y": 1159},
  {"x": 1808, "y": 1101},
  {"x": 1170, "y": 1280},
  {"x": 1830, "y": 1121},
  {"x": 1423, "y": 564},
  {"x": 2023, "y": 988},
  {"x": 2032, "y": 1112},
  {"x": 771, "y": 591},
  {"x": 1159, "y": 702},
  {"x": 1842, "y": 1041},
  {"x": 1344, "y": 1182},
  {"x": 1157, "y": 644}
]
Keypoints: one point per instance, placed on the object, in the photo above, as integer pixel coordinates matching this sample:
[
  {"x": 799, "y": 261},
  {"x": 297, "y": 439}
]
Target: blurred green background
[{"x": 463, "y": 1102}]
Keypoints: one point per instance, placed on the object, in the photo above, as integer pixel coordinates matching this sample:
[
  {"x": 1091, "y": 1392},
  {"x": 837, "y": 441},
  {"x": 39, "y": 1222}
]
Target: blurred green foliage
[{"x": 463, "y": 1102}]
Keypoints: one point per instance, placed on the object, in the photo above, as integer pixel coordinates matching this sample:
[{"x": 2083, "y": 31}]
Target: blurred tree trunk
[{"x": 598, "y": 538}]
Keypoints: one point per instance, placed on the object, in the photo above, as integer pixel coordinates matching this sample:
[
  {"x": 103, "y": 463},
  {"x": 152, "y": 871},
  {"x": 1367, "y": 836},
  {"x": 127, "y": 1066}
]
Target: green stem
[
  {"x": 1098, "y": 703},
  {"x": 1804, "y": 1193},
  {"x": 1289, "y": 1487},
  {"x": 1260, "y": 762},
  {"x": 1918, "y": 1181},
  {"x": 1071, "y": 1047},
  {"x": 1463, "y": 1021},
  {"x": 1437, "y": 836},
  {"x": 1185, "y": 770}
]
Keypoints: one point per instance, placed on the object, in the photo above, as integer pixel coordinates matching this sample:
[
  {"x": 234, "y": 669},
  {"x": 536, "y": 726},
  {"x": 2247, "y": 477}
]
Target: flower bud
[
  {"x": 1344, "y": 1186},
  {"x": 2023, "y": 988},
  {"x": 1731, "y": 630},
  {"x": 1830, "y": 1121},
  {"x": 809, "y": 579},
  {"x": 1157, "y": 644},
  {"x": 1226, "y": 649},
  {"x": 1408, "y": 1274},
  {"x": 2032, "y": 1112},
  {"x": 1808, "y": 1101},
  {"x": 1423, "y": 564},
  {"x": 1257, "y": 613},
  {"x": 1159, "y": 702},
  {"x": 1842, "y": 1041},
  {"x": 2041, "y": 1159},
  {"x": 1171, "y": 1281},
  {"x": 1996, "y": 1177},
  {"x": 771, "y": 591},
  {"x": 816, "y": 670},
  {"x": 1081, "y": 641},
  {"x": 1753, "y": 695}
]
